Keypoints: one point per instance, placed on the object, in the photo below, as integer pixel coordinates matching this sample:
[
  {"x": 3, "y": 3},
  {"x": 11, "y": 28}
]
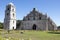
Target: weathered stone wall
[{"x": 40, "y": 24}]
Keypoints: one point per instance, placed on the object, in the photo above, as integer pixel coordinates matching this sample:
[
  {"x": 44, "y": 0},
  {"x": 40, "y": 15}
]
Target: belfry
[{"x": 10, "y": 17}]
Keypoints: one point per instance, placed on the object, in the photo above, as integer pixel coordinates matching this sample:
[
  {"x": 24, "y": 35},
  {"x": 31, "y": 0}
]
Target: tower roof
[{"x": 11, "y": 4}]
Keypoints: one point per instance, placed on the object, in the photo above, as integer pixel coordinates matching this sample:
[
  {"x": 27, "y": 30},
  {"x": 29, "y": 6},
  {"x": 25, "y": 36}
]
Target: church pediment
[{"x": 33, "y": 15}]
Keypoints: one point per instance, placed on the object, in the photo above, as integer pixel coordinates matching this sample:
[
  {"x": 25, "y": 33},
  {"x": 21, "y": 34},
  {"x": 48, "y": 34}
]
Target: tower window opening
[
  {"x": 13, "y": 14},
  {"x": 7, "y": 14},
  {"x": 13, "y": 10},
  {"x": 8, "y": 9},
  {"x": 13, "y": 21}
]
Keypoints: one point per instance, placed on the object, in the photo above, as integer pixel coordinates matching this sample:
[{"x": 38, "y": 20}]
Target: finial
[{"x": 34, "y": 9}]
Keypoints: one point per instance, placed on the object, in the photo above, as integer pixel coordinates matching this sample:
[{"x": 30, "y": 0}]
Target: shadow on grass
[{"x": 54, "y": 32}]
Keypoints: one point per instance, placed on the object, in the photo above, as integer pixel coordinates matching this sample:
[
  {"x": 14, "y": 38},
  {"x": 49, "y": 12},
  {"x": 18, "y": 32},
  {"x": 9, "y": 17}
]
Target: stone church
[{"x": 35, "y": 20}]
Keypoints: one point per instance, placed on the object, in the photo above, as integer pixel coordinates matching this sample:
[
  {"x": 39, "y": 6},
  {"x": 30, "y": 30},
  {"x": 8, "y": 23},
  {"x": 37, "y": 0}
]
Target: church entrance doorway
[{"x": 34, "y": 27}]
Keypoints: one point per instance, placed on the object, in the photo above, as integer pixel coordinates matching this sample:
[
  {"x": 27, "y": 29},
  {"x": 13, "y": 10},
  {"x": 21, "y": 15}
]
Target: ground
[{"x": 29, "y": 35}]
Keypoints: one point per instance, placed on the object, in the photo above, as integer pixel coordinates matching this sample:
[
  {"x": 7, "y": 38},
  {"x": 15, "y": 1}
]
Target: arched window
[
  {"x": 7, "y": 14},
  {"x": 13, "y": 10},
  {"x": 13, "y": 14},
  {"x": 40, "y": 18},
  {"x": 28, "y": 18},
  {"x": 8, "y": 8},
  {"x": 33, "y": 18},
  {"x": 13, "y": 22}
]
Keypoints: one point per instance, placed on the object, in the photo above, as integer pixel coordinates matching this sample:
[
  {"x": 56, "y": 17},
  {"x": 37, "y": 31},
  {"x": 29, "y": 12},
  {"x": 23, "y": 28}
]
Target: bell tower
[{"x": 10, "y": 17}]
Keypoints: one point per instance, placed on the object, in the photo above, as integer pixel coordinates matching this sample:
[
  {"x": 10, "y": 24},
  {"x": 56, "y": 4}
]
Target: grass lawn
[{"x": 29, "y": 35}]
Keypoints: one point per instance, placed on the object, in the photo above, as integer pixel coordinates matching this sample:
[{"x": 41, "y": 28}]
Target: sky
[{"x": 23, "y": 7}]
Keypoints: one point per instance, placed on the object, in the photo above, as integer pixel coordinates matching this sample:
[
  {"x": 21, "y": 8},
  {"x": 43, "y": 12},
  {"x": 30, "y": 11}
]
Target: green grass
[{"x": 29, "y": 35}]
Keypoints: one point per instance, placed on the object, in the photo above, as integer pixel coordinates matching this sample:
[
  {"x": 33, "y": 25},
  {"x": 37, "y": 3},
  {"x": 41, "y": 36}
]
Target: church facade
[{"x": 37, "y": 21}]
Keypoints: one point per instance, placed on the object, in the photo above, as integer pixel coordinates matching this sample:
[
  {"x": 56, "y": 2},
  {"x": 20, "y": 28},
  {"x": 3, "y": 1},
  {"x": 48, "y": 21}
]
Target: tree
[
  {"x": 1, "y": 25},
  {"x": 58, "y": 26},
  {"x": 18, "y": 23}
]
